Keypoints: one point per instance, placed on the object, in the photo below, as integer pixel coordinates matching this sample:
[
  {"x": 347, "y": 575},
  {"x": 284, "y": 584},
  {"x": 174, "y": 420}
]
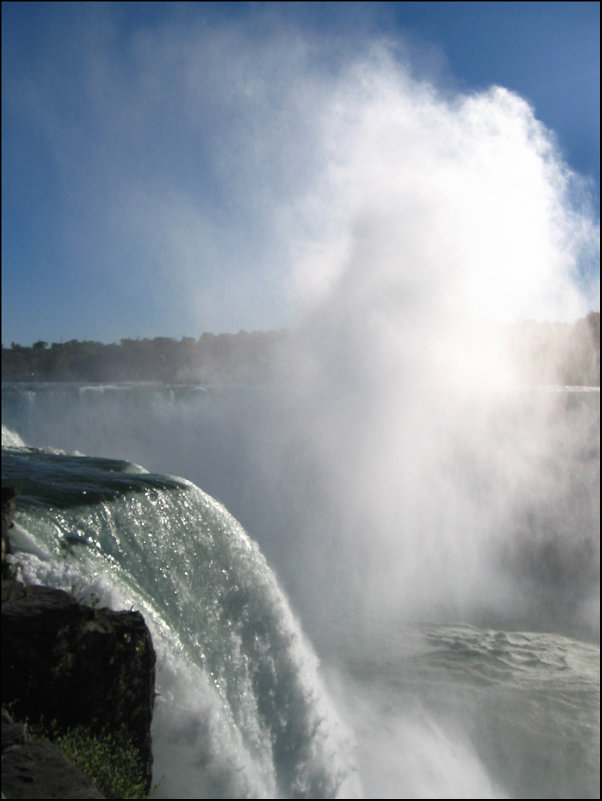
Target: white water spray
[{"x": 443, "y": 220}]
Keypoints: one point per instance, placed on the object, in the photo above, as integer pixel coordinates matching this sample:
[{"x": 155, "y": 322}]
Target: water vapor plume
[{"x": 440, "y": 221}]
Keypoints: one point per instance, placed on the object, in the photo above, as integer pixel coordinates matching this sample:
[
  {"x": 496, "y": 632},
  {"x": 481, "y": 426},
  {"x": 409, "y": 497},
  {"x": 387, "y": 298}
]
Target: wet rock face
[
  {"x": 37, "y": 769},
  {"x": 65, "y": 664},
  {"x": 8, "y": 510}
]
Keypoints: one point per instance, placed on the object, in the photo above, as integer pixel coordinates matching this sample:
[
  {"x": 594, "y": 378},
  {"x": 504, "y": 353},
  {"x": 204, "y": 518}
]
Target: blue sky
[{"x": 175, "y": 168}]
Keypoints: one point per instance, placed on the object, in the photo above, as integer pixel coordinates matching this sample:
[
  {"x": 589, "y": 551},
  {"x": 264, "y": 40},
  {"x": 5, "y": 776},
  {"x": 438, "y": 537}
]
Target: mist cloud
[{"x": 253, "y": 167}]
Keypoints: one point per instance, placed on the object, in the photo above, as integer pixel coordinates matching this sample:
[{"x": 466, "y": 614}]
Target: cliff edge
[{"x": 84, "y": 677}]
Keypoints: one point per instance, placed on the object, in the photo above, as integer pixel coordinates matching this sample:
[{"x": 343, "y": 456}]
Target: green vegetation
[{"x": 109, "y": 760}]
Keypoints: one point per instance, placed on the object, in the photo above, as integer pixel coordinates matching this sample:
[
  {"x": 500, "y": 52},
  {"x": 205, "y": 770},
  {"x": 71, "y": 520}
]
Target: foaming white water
[
  {"x": 434, "y": 763},
  {"x": 241, "y": 710},
  {"x": 10, "y": 439},
  {"x": 462, "y": 712}
]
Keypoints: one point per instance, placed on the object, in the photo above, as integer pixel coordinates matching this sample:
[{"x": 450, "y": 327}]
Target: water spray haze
[{"x": 442, "y": 220}]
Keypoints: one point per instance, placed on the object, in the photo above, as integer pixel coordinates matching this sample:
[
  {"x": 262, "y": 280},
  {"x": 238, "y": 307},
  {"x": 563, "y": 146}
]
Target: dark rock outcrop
[
  {"x": 69, "y": 665},
  {"x": 37, "y": 768},
  {"x": 8, "y": 509}
]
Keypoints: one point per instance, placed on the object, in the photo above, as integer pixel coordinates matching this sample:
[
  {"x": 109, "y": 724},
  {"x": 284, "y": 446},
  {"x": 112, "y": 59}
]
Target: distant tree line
[
  {"x": 211, "y": 359},
  {"x": 547, "y": 352}
]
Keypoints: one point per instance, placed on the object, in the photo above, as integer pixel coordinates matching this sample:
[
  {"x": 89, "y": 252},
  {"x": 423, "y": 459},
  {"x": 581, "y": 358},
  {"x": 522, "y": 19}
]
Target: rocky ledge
[
  {"x": 76, "y": 673},
  {"x": 37, "y": 768}
]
